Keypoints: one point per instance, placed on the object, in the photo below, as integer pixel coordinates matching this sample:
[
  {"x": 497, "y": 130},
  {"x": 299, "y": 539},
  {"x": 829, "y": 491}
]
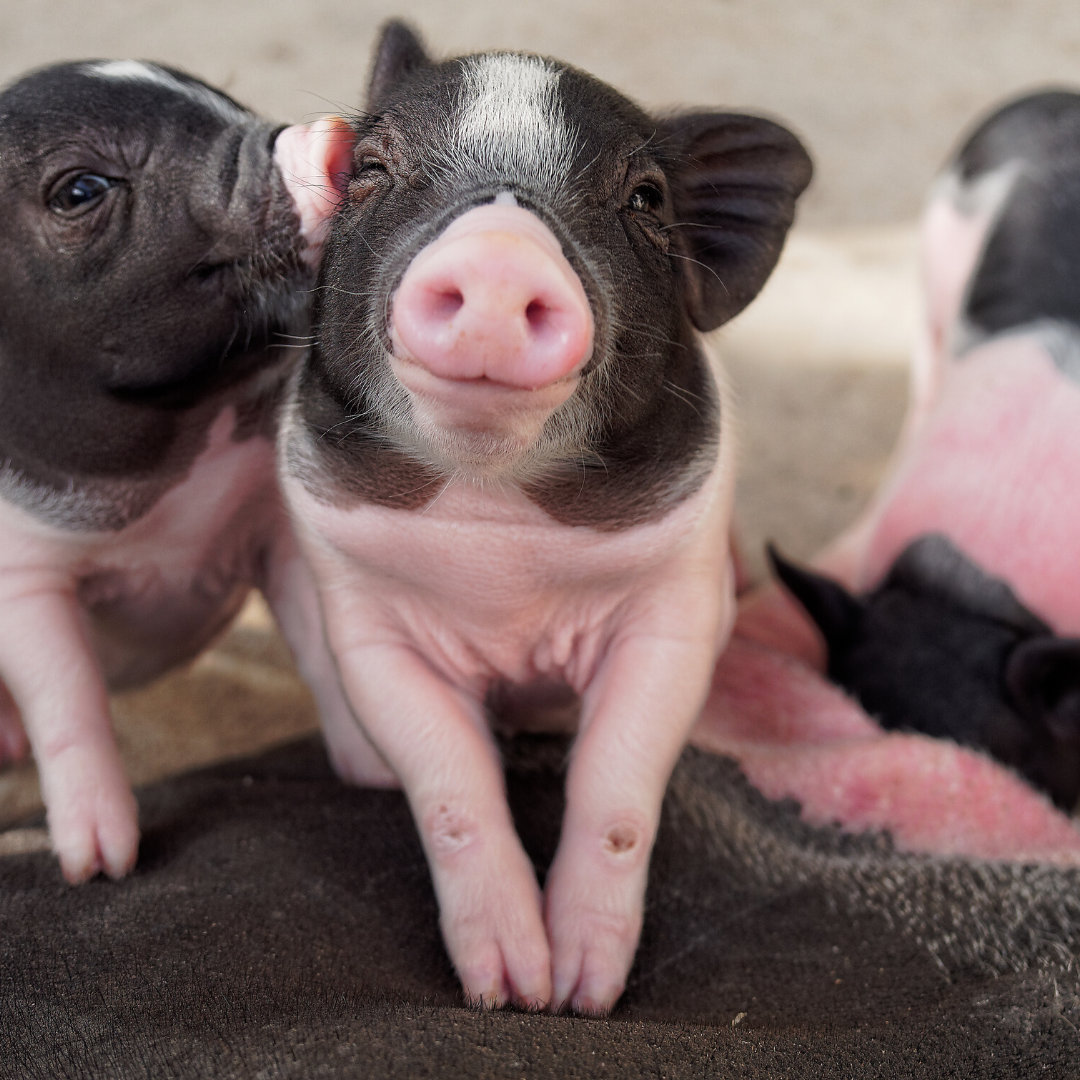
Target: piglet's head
[
  {"x": 149, "y": 261},
  {"x": 518, "y": 263}
]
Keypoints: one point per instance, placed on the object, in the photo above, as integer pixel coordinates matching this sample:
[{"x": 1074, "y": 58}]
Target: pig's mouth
[
  {"x": 486, "y": 427},
  {"x": 478, "y": 392}
]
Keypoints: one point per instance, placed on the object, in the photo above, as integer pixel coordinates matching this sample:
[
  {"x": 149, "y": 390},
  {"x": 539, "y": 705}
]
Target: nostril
[
  {"x": 443, "y": 304},
  {"x": 537, "y": 314}
]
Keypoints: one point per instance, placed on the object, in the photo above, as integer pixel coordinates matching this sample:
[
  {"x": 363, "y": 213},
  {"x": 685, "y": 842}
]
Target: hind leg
[
  {"x": 14, "y": 745},
  {"x": 290, "y": 591}
]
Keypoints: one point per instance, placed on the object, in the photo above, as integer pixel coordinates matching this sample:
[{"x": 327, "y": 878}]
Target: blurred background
[{"x": 879, "y": 90}]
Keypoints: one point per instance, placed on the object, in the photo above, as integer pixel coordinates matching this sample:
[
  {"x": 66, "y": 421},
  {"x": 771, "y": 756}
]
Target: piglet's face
[
  {"x": 131, "y": 188},
  {"x": 521, "y": 255}
]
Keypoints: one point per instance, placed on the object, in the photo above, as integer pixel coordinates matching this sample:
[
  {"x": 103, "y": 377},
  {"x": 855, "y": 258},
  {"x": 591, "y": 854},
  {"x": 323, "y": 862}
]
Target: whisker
[{"x": 704, "y": 266}]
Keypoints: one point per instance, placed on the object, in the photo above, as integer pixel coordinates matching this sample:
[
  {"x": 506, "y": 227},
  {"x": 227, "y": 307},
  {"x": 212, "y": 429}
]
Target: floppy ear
[
  {"x": 734, "y": 182},
  {"x": 398, "y": 53},
  {"x": 315, "y": 161},
  {"x": 1042, "y": 676},
  {"x": 836, "y": 612}
]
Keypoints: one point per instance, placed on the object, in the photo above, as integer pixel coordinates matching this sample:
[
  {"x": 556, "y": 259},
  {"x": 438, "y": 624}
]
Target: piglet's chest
[
  {"x": 997, "y": 469},
  {"x": 188, "y": 551},
  {"x": 489, "y": 586}
]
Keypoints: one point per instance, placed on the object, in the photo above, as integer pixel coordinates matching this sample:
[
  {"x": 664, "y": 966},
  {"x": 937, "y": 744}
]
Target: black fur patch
[
  {"x": 127, "y": 322},
  {"x": 648, "y": 275},
  {"x": 942, "y": 648},
  {"x": 1031, "y": 262}
]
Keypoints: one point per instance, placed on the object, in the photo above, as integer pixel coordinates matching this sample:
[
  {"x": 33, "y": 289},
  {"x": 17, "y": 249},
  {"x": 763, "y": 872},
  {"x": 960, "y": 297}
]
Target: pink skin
[
  {"x": 51, "y": 650},
  {"x": 797, "y": 736},
  {"x": 990, "y": 457},
  {"x": 49, "y": 645},
  {"x": 489, "y": 327},
  {"x": 492, "y": 298},
  {"x": 315, "y": 160},
  {"x": 14, "y": 745},
  {"x": 424, "y": 611},
  {"x": 479, "y": 587}
]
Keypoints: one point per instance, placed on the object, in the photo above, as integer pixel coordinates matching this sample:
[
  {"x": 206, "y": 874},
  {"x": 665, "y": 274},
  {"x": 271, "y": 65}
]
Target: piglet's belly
[
  {"x": 997, "y": 469},
  {"x": 156, "y": 592},
  {"x": 477, "y": 632}
]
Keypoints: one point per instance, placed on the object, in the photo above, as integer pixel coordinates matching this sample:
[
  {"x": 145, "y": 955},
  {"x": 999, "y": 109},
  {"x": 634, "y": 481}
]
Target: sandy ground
[{"x": 878, "y": 90}]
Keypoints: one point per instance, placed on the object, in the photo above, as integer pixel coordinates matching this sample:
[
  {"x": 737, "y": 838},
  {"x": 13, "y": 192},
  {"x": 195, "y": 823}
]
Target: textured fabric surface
[{"x": 282, "y": 924}]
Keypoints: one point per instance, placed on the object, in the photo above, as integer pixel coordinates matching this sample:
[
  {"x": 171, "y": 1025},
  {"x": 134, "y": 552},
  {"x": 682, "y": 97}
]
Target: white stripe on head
[
  {"x": 510, "y": 122},
  {"x": 137, "y": 71}
]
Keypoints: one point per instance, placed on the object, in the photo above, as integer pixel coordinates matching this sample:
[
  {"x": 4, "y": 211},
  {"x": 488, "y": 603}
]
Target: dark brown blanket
[{"x": 280, "y": 924}]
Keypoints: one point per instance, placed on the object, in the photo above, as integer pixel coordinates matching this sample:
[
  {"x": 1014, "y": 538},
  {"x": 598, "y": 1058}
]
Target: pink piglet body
[{"x": 509, "y": 464}]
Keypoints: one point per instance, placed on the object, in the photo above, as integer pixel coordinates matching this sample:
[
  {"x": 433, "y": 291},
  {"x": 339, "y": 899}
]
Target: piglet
[
  {"x": 509, "y": 464},
  {"x": 983, "y": 491},
  {"x": 943, "y": 648},
  {"x": 153, "y": 276}
]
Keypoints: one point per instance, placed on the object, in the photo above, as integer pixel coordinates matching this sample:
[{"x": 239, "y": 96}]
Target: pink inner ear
[
  {"x": 797, "y": 736},
  {"x": 315, "y": 162}
]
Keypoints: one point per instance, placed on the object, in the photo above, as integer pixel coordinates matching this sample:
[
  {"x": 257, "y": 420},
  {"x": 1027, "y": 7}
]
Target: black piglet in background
[{"x": 942, "y": 648}]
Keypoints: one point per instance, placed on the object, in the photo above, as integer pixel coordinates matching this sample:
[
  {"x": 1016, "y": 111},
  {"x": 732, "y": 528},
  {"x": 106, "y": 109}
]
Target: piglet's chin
[{"x": 479, "y": 423}]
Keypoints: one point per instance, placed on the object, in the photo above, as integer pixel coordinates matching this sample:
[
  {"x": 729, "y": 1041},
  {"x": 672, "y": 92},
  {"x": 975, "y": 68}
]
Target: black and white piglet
[
  {"x": 152, "y": 269},
  {"x": 510, "y": 465},
  {"x": 943, "y": 648}
]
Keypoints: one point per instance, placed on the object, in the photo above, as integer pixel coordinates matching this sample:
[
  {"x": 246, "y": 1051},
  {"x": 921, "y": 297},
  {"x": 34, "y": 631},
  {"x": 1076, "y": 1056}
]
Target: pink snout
[{"x": 493, "y": 297}]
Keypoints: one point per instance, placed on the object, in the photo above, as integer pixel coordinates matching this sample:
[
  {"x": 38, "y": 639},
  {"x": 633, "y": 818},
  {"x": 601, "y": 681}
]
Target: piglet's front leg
[
  {"x": 636, "y": 718},
  {"x": 436, "y": 740},
  {"x": 46, "y": 661}
]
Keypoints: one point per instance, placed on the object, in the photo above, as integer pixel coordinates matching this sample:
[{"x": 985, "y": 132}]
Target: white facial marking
[
  {"x": 137, "y": 71},
  {"x": 511, "y": 122},
  {"x": 505, "y": 198}
]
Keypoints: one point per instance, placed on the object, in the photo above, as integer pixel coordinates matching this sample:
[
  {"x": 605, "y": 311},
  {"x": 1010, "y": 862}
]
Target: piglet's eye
[
  {"x": 371, "y": 168},
  {"x": 79, "y": 193},
  {"x": 646, "y": 197}
]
